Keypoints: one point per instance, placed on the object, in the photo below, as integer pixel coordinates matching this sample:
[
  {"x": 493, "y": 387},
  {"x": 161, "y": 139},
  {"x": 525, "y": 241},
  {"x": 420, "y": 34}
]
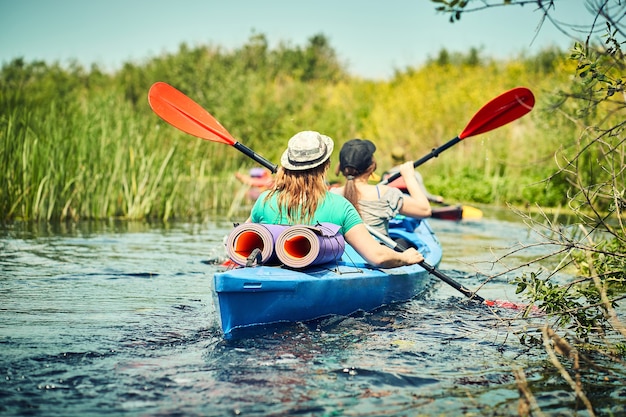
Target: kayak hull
[{"x": 262, "y": 295}]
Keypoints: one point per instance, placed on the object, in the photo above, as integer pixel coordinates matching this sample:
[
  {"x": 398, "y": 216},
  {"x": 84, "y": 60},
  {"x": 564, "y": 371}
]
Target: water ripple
[{"x": 118, "y": 319}]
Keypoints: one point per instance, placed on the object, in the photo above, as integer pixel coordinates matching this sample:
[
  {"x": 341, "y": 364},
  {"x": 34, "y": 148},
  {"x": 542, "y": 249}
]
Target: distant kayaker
[
  {"x": 301, "y": 196},
  {"x": 378, "y": 204},
  {"x": 259, "y": 179}
]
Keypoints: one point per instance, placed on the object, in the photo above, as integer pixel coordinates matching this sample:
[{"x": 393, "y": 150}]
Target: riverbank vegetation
[{"x": 82, "y": 144}]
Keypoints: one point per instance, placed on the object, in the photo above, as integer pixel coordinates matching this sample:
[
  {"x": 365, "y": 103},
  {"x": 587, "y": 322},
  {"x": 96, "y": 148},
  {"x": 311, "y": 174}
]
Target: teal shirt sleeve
[{"x": 338, "y": 210}]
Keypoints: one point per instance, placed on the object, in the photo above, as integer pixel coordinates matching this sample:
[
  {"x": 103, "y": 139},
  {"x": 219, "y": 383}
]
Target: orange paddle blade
[{"x": 185, "y": 114}]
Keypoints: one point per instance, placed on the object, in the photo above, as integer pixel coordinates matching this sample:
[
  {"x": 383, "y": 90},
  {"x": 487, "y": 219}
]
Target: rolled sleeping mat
[
  {"x": 246, "y": 237},
  {"x": 300, "y": 246}
]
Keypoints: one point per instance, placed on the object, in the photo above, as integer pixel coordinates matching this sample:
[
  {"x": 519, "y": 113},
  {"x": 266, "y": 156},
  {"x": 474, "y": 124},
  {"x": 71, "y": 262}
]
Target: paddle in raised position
[
  {"x": 185, "y": 114},
  {"x": 503, "y": 109}
]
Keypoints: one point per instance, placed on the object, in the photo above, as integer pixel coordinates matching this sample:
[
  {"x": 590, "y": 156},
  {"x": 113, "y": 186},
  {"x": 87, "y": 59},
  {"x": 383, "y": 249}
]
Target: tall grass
[{"x": 85, "y": 145}]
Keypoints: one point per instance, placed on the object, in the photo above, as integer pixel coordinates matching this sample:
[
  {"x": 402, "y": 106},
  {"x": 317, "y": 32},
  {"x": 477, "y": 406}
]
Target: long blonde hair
[{"x": 300, "y": 192}]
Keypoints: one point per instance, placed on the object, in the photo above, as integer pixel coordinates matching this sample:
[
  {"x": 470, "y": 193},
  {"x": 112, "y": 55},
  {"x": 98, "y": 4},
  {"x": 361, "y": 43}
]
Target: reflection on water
[{"x": 117, "y": 319}]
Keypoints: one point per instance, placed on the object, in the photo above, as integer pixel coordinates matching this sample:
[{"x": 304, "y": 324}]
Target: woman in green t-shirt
[{"x": 300, "y": 196}]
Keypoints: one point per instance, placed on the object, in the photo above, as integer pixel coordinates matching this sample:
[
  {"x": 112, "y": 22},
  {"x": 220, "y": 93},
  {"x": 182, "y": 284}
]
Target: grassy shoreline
[{"x": 85, "y": 145}]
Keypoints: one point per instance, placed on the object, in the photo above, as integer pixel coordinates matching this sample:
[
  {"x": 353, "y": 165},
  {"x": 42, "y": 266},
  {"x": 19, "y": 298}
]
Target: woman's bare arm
[
  {"x": 417, "y": 204},
  {"x": 376, "y": 254}
]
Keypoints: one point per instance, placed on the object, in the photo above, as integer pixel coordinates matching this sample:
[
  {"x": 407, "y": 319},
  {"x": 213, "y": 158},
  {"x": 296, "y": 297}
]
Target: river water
[{"x": 117, "y": 319}]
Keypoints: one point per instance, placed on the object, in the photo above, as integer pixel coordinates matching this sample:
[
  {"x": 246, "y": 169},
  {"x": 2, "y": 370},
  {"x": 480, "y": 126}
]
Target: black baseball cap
[{"x": 357, "y": 153}]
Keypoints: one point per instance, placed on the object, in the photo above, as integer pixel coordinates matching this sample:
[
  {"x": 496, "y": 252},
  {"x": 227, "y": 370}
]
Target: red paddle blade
[
  {"x": 185, "y": 114},
  {"x": 503, "y": 109},
  {"x": 511, "y": 305}
]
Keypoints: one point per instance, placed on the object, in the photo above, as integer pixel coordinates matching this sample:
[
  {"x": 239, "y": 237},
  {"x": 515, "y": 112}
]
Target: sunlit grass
[{"x": 97, "y": 151}]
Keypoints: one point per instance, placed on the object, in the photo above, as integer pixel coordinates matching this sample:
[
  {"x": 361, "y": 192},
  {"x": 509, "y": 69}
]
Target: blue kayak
[{"x": 260, "y": 295}]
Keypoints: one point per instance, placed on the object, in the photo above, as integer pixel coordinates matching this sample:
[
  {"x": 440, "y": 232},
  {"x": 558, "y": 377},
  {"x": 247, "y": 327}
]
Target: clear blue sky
[{"x": 371, "y": 37}]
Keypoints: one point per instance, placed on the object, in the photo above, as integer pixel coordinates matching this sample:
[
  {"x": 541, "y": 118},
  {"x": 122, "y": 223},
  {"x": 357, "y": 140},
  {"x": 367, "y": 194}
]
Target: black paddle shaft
[
  {"x": 451, "y": 282},
  {"x": 433, "y": 154},
  {"x": 432, "y": 270},
  {"x": 255, "y": 156}
]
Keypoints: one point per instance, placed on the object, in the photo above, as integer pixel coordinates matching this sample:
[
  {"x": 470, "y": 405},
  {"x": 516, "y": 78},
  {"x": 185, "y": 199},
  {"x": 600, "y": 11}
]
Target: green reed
[
  {"x": 96, "y": 161},
  {"x": 85, "y": 146}
]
